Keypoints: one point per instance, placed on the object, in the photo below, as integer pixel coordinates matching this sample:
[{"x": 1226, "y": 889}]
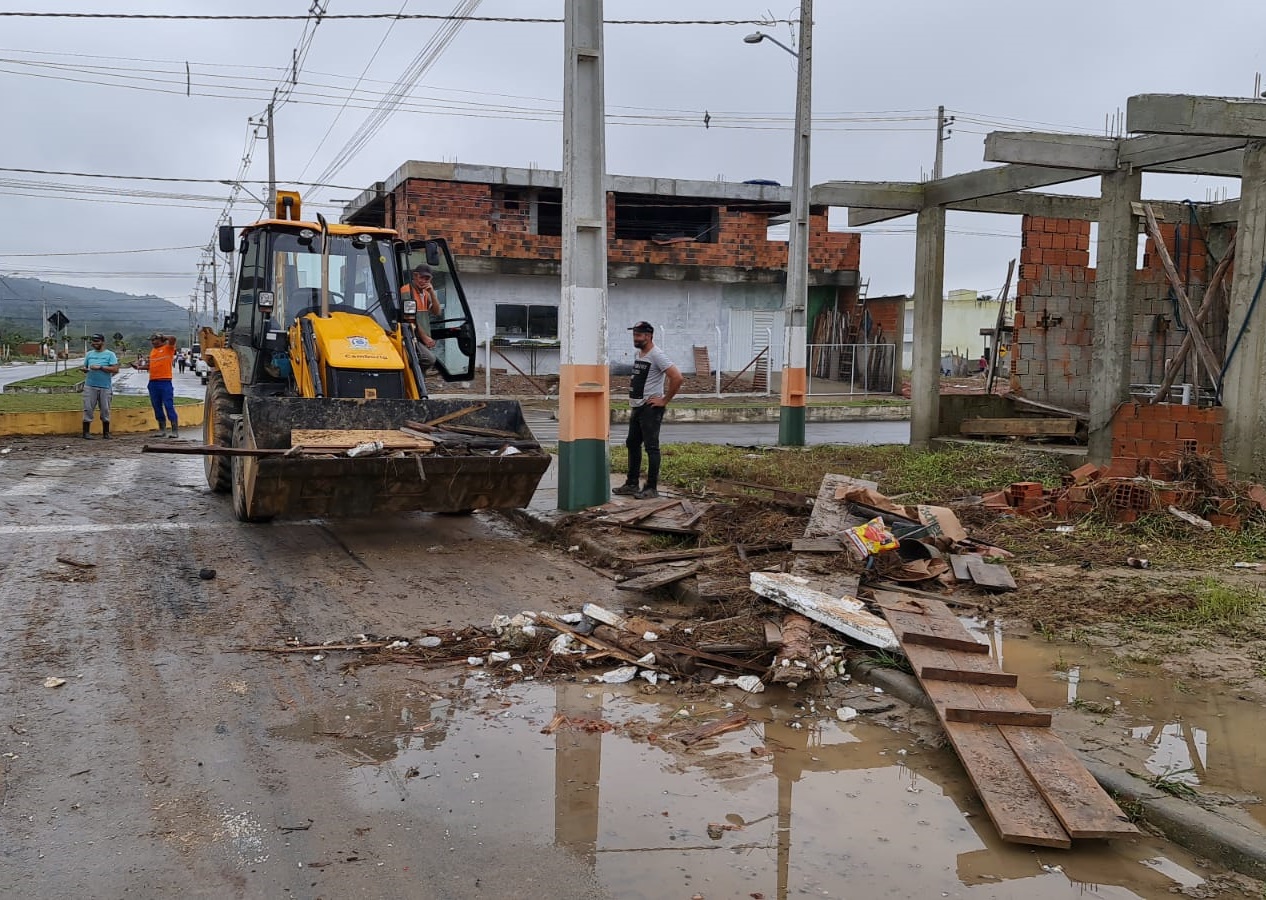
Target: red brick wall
[
  {"x": 890, "y": 315},
  {"x": 1163, "y": 430},
  {"x": 1057, "y": 287},
  {"x": 476, "y": 221}
]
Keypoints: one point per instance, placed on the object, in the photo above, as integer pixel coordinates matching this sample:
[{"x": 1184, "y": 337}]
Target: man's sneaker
[
  {"x": 626, "y": 490},
  {"x": 646, "y": 494}
]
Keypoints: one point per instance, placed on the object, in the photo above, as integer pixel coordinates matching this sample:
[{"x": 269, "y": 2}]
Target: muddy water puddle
[
  {"x": 1197, "y": 734},
  {"x": 796, "y": 803}
]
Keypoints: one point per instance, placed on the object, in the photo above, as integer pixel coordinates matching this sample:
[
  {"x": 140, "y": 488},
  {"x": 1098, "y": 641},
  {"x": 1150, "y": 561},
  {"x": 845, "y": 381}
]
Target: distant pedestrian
[
  {"x": 100, "y": 366},
  {"x": 161, "y": 396},
  {"x": 181, "y": 362},
  {"x": 655, "y": 382}
]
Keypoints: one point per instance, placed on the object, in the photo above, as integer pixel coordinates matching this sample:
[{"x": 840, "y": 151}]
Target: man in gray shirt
[{"x": 655, "y": 382}]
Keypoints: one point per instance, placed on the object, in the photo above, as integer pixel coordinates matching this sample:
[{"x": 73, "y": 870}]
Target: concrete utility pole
[
  {"x": 943, "y": 132},
  {"x": 929, "y": 310},
  {"x": 791, "y": 415},
  {"x": 272, "y": 160},
  {"x": 584, "y": 390}
]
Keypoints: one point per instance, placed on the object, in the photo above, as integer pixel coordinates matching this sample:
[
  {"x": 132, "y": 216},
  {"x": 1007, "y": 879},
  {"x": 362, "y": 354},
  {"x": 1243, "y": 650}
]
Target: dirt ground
[{"x": 155, "y": 741}]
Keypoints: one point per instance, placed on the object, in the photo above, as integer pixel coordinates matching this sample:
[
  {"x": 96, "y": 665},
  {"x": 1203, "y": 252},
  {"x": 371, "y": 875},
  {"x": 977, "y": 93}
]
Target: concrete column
[
  {"x": 929, "y": 304},
  {"x": 584, "y": 391},
  {"x": 1113, "y": 306},
  {"x": 1244, "y": 386}
]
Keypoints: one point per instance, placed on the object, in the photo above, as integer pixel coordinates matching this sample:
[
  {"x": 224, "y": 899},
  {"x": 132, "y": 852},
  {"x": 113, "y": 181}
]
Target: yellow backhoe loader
[{"x": 316, "y": 397}]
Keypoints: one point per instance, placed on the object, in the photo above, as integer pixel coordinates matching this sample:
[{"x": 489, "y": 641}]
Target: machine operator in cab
[{"x": 422, "y": 290}]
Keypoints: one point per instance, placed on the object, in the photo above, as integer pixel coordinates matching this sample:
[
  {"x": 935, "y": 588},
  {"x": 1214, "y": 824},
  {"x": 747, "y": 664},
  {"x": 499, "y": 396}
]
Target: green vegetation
[
  {"x": 37, "y": 403},
  {"x": 919, "y": 475},
  {"x": 1219, "y": 604},
  {"x": 68, "y": 378}
]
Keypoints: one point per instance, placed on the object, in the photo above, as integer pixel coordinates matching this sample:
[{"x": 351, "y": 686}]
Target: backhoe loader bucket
[{"x": 447, "y": 479}]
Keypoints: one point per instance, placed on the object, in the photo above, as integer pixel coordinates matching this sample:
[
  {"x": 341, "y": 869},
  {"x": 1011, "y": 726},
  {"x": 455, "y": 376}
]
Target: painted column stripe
[
  {"x": 584, "y": 399},
  {"x": 794, "y": 382}
]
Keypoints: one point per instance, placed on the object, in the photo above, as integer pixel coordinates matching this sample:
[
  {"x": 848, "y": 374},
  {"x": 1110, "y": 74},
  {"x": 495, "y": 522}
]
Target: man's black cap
[
  {"x": 98, "y": 337},
  {"x": 643, "y": 328},
  {"x": 422, "y": 270}
]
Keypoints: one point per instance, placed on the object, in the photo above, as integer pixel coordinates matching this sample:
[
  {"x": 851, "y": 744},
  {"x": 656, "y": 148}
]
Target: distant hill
[{"x": 89, "y": 309}]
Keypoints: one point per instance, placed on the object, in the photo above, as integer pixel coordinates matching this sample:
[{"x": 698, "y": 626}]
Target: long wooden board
[
  {"x": 348, "y": 438},
  {"x": 1078, "y": 801},
  {"x": 666, "y": 575},
  {"x": 1033, "y": 787},
  {"x": 934, "y": 626},
  {"x": 1020, "y": 427}
]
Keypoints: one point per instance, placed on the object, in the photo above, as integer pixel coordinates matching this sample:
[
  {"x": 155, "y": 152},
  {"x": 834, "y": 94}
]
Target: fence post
[
  {"x": 718, "y": 329},
  {"x": 769, "y": 359},
  {"x": 487, "y": 360}
]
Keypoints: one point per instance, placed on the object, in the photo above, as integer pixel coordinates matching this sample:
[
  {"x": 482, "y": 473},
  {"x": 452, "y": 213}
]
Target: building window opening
[
  {"x": 520, "y": 322},
  {"x": 666, "y": 223},
  {"x": 549, "y": 212}
]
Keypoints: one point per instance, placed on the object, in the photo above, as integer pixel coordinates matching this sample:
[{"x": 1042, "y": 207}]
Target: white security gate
[{"x": 750, "y": 331}]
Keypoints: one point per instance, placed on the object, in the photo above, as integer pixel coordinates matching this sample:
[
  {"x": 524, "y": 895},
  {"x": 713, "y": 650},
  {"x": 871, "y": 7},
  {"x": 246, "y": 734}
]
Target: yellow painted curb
[{"x": 122, "y": 421}]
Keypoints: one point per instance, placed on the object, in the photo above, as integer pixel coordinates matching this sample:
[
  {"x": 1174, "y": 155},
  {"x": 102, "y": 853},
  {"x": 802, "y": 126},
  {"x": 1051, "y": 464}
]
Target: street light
[{"x": 791, "y": 413}]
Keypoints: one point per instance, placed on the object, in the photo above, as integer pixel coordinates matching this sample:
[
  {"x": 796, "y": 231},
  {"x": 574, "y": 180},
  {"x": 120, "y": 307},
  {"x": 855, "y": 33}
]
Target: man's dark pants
[{"x": 644, "y": 422}]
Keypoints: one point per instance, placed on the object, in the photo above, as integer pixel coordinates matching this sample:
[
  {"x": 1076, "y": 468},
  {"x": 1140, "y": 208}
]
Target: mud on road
[{"x": 176, "y": 758}]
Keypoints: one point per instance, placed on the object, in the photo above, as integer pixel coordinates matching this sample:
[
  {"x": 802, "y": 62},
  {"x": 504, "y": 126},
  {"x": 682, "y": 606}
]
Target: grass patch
[
  {"x": 920, "y": 474},
  {"x": 1220, "y": 604},
  {"x": 37, "y": 403}
]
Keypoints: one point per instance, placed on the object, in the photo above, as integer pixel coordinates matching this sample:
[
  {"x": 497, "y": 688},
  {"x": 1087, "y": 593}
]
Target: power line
[
  {"x": 402, "y": 17},
  {"x": 337, "y": 187},
  {"x": 102, "y": 252}
]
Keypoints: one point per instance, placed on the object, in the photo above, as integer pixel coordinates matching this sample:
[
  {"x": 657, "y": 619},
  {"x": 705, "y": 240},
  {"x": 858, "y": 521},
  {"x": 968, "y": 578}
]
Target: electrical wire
[{"x": 403, "y": 17}]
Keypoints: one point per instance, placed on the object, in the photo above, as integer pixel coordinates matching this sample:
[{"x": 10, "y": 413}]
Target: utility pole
[
  {"x": 791, "y": 414},
  {"x": 584, "y": 390},
  {"x": 943, "y": 132},
  {"x": 272, "y": 160}
]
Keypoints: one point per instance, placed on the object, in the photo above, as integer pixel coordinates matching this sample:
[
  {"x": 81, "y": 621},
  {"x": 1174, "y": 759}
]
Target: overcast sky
[{"x": 109, "y": 97}]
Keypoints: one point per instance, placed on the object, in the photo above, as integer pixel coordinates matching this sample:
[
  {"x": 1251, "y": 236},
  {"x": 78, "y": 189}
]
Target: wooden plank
[
  {"x": 659, "y": 578},
  {"x": 1080, "y": 804},
  {"x": 954, "y": 665},
  {"x": 1016, "y": 807},
  {"x": 392, "y": 439},
  {"x": 831, "y": 516},
  {"x": 455, "y": 415},
  {"x": 816, "y": 545},
  {"x": 846, "y": 615},
  {"x": 1020, "y": 427},
  {"x": 992, "y": 576},
  {"x": 935, "y": 626},
  {"x": 927, "y": 595},
  {"x": 642, "y": 559},
  {"x": 945, "y": 642},
  {"x": 1034, "y": 719},
  {"x": 961, "y": 570},
  {"x": 773, "y": 634}
]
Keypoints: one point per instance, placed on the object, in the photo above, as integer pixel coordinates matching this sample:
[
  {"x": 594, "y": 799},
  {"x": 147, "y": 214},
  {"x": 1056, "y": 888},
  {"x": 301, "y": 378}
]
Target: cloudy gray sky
[{"x": 109, "y": 97}]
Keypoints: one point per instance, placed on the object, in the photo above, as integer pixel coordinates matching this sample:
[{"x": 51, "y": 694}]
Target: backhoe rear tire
[{"x": 218, "y": 409}]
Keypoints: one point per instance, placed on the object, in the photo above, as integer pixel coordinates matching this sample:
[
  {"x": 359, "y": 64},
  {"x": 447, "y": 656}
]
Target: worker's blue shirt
[{"x": 96, "y": 377}]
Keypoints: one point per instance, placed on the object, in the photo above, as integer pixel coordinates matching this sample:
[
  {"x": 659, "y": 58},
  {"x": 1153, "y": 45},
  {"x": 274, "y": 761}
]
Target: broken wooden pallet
[{"x": 1033, "y": 787}]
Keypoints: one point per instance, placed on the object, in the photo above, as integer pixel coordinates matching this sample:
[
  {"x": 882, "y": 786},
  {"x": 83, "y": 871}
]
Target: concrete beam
[
  {"x": 999, "y": 180},
  {"x": 1227, "y": 164},
  {"x": 1188, "y": 114},
  {"x": 903, "y": 195},
  {"x": 1225, "y": 213},
  {"x": 1051, "y": 206},
  {"x": 1156, "y": 151},
  {"x": 1060, "y": 151}
]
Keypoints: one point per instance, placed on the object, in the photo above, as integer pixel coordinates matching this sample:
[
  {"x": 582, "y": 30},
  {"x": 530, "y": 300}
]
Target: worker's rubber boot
[
  {"x": 175, "y": 435},
  {"x": 105, "y": 430},
  {"x": 87, "y": 436}
]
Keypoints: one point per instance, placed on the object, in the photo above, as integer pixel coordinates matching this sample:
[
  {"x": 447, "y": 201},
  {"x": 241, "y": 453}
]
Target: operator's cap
[
  {"x": 97, "y": 337},
  {"x": 157, "y": 337},
  {"x": 422, "y": 270},
  {"x": 643, "y": 328}
]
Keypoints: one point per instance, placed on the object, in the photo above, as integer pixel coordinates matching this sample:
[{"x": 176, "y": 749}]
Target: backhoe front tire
[{"x": 218, "y": 409}]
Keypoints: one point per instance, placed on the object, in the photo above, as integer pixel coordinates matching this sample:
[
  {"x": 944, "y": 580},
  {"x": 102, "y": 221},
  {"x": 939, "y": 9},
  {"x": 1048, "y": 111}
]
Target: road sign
[{"x": 58, "y": 320}]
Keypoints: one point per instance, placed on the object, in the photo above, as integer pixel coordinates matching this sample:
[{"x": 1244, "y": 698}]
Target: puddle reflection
[
  {"x": 796, "y": 803},
  {"x": 1208, "y": 738}
]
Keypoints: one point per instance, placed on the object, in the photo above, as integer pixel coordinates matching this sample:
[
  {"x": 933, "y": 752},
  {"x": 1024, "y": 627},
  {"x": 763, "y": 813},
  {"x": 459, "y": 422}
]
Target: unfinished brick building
[{"x": 694, "y": 258}]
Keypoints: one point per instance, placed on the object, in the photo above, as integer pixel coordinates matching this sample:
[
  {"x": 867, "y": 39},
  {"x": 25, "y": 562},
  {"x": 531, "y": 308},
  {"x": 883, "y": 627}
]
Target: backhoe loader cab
[{"x": 321, "y": 337}]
